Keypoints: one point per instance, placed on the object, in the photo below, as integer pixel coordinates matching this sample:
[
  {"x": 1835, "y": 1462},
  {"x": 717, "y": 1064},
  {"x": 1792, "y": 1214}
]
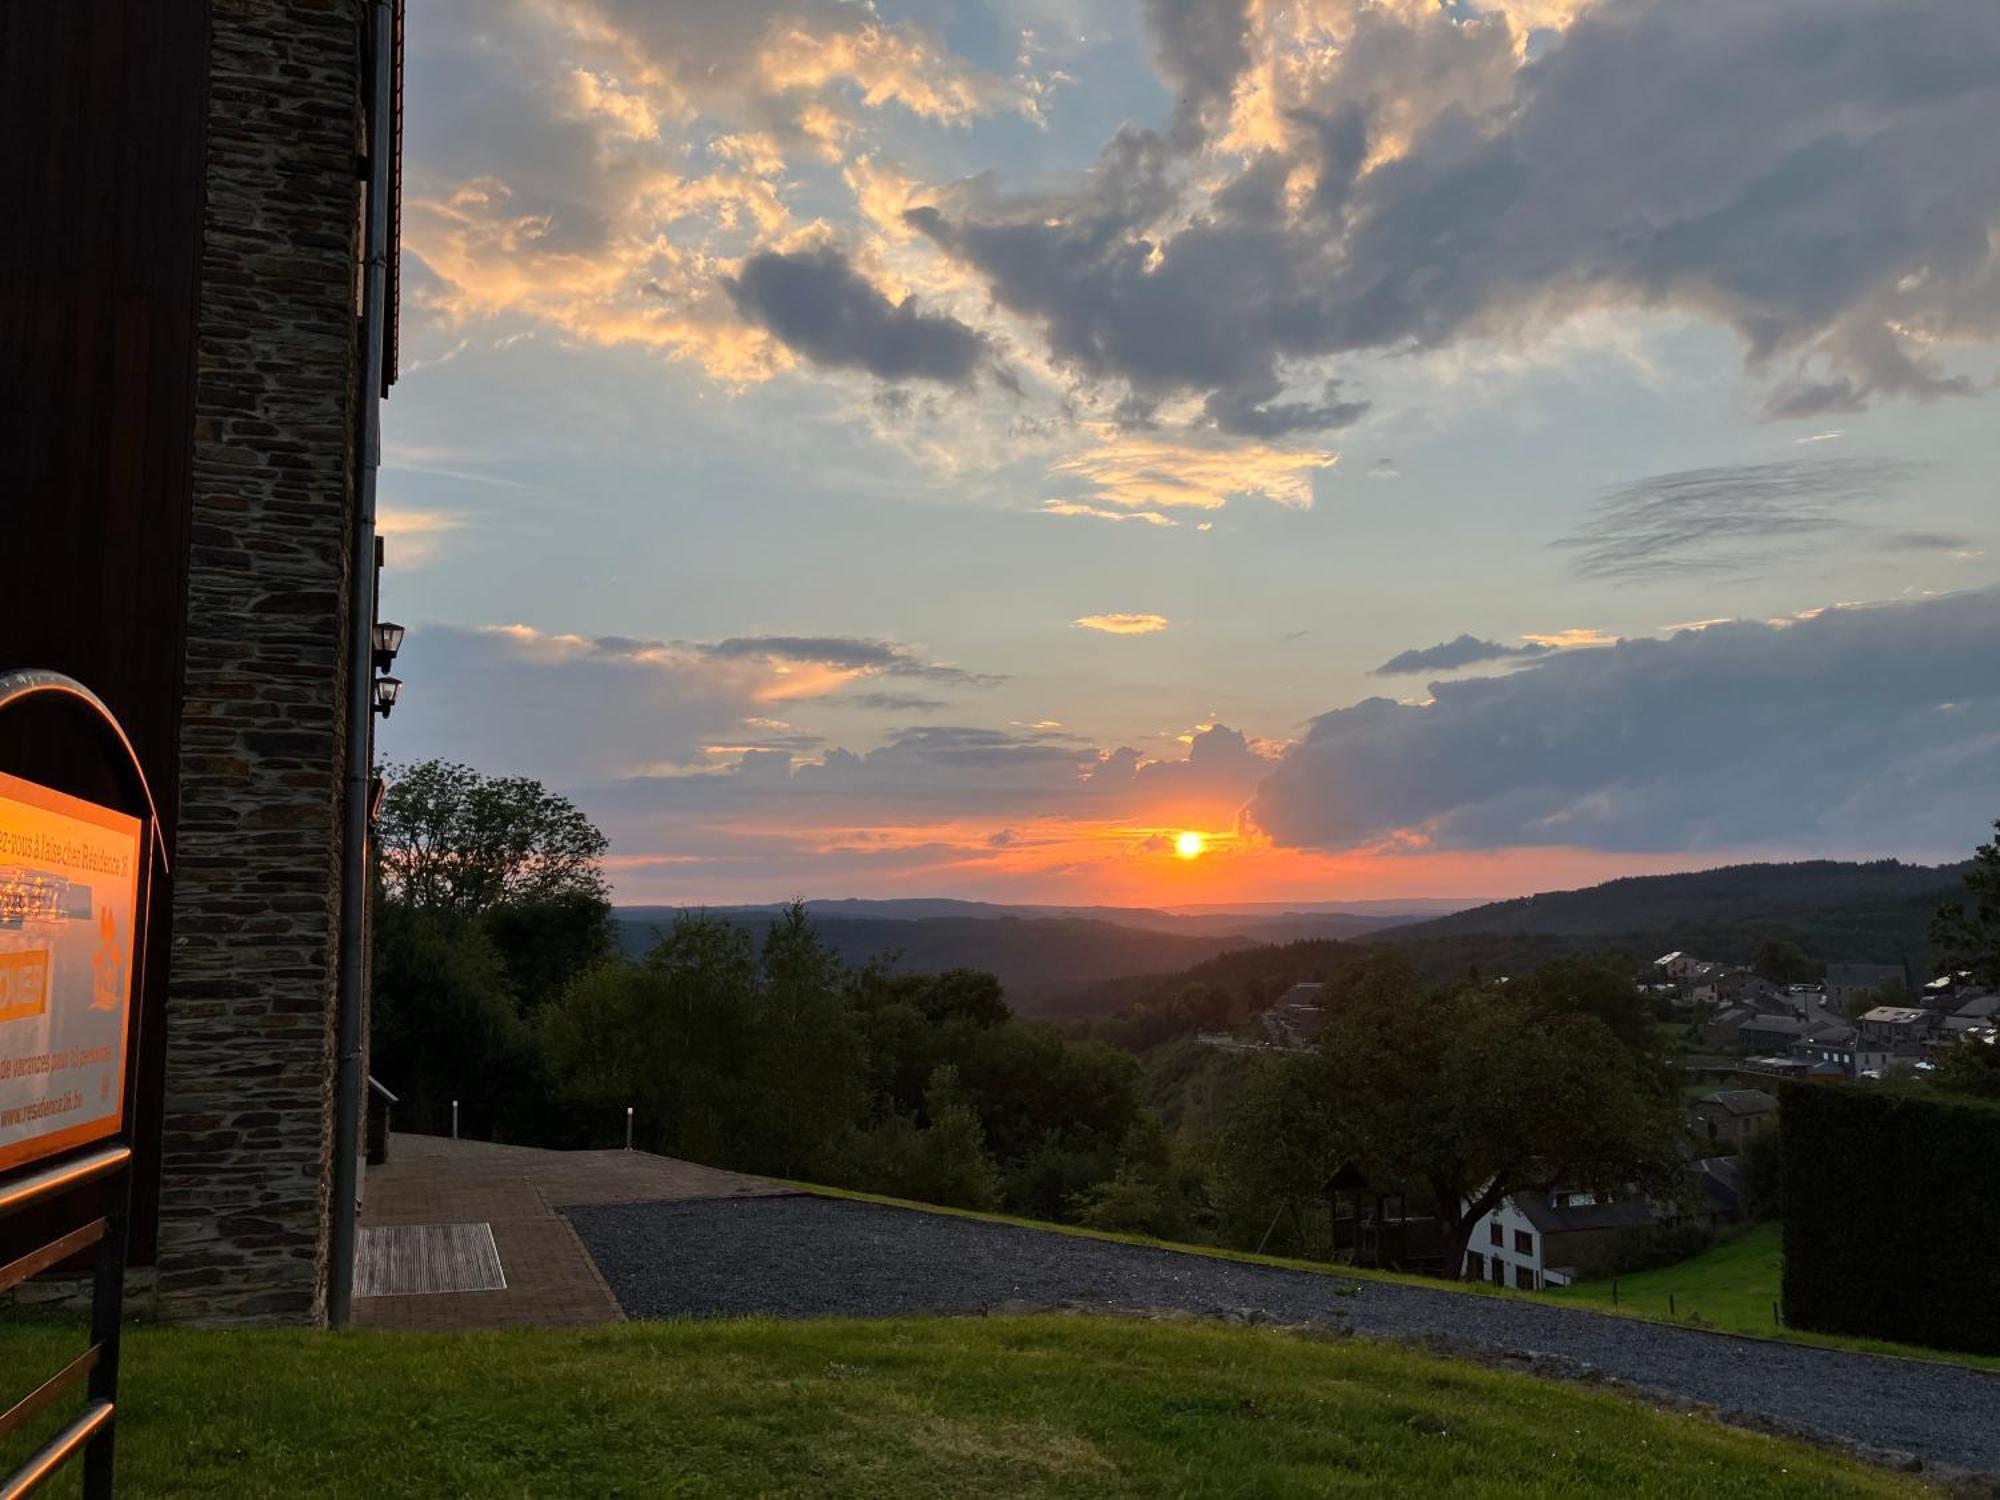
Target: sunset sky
[{"x": 956, "y": 449}]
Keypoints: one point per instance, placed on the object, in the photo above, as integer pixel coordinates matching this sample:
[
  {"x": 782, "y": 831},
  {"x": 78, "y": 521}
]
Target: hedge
[{"x": 1892, "y": 1216}]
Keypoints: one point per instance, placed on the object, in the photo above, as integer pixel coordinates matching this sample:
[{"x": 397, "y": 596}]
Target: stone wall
[{"x": 251, "y": 995}]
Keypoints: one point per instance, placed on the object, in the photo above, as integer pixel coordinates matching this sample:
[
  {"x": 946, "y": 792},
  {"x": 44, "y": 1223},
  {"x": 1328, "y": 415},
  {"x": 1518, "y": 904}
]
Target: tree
[
  {"x": 1969, "y": 1066},
  {"x": 444, "y": 1027},
  {"x": 1475, "y": 1094},
  {"x": 1890, "y": 992},
  {"x": 1966, "y": 933},
  {"x": 1280, "y": 1142},
  {"x": 453, "y": 840},
  {"x": 1782, "y": 961}
]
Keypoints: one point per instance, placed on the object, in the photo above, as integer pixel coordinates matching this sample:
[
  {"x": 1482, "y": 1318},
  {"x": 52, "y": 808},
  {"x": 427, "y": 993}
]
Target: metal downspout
[{"x": 354, "y": 861}]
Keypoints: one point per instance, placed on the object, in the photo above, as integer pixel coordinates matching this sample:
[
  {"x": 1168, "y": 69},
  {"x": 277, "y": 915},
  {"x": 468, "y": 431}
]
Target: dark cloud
[
  {"x": 1799, "y": 170},
  {"x": 1202, "y": 46},
  {"x": 814, "y": 302},
  {"x": 1449, "y": 656},
  {"x": 895, "y": 703},
  {"x": 1859, "y": 728},
  {"x": 1730, "y": 519},
  {"x": 1240, "y": 412},
  {"x": 851, "y": 653}
]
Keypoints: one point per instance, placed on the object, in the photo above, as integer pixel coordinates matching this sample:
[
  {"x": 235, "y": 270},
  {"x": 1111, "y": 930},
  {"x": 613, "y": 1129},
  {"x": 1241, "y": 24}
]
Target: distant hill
[
  {"x": 1879, "y": 912},
  {"x": 1836, "y": 911},
  {"x": 1034, "y": 957},
  {"x": 1270, "y": 922},
  {"x": 1731, "y": 894}
]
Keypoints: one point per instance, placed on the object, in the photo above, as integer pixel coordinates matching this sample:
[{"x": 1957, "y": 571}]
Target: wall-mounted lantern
[
  {"x": 386, "y": 689},
  {"x": 388, "y": 641}
]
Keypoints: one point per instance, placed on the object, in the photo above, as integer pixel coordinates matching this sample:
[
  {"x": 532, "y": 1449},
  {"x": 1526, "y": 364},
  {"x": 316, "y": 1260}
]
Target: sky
[{"x": 959, "y": 449}]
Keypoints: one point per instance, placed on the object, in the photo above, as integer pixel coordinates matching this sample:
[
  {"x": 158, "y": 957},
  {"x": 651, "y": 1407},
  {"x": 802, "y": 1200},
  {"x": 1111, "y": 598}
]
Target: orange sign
[{"x": 69, "y": 886}]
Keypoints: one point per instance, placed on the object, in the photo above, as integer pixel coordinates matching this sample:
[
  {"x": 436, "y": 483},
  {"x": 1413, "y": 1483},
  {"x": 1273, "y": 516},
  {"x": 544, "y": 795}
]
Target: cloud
[
  {"x": 1122, "y": 624},
  {"x": 1571, "y": 640},
  {"x": 1145, "y": 471},
  {"x": 1449, "y": 656},
  {"x": 1794, "y": 170},
  {"x": 1729, "y": 520},
  {"x": 895, "y": 703},
  {"x": 1099, "y": 513},
  {"x": 851, "y": 654},
  {"x": 1202, "y": 45},
  {"x": 1814, "y": 733},
  {"x": 415, "y": 537},
  {"x": 814, "y": 302},
  {"x": 794, "y": 68}
]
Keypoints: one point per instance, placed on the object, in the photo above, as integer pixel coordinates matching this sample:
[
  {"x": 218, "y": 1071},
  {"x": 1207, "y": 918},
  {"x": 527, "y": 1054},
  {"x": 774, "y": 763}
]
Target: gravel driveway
[{"x": 804, "y": 1256}]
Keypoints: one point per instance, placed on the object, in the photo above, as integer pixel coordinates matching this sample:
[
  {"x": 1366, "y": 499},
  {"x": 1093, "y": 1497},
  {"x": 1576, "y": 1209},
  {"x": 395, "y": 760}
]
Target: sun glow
[{"x": 1189, "y": 845}]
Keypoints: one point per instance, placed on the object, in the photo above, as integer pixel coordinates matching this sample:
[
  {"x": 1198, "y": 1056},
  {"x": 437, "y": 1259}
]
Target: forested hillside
[
  {"x": 1035, "y": 958},
  {"x": 1878, "y": 900}
]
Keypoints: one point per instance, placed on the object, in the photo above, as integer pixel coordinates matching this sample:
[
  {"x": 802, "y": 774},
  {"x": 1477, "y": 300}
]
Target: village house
[
  {"x": 1977, "y": 1012},
  {"x": 1742, "y": 987},
  {"x": 1829, "y": 1045},
  {"x": 1294, "y": 1022},
  {"x": 1677, "y": 966},
  {"x": 1722, "y": 1029},
  {"x": 1895, "y": 1028},
  {"x": 1728, "y": 1118},
  {"x": 1847, "y": 983},
  {"x": 1769, "y": 1033},
  {"x": 1538, "y": 1240}
]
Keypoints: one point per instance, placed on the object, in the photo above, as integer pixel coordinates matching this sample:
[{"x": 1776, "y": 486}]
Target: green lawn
[
  {"x": 1731, "y": 1286},
  {"x": 921, "y": 1407}
]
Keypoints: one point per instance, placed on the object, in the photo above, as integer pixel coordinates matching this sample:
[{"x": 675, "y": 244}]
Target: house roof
[
  {"x": 1787, "y": 1025},
  {"x": 1629, "y": 1213},
  {"x": 1720, "y": 1179},
  {"x": 1741, "y": 1101},
  {"x": 1895, "y": 1015},
  {"x": 1980, "y": 1007},
  {"x": 1666, "y": 958}
]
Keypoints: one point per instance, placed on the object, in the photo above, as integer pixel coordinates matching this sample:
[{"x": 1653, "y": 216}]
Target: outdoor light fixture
[
  {"x": 388, "y": 641},
  {"x": 386, "y": 689}
]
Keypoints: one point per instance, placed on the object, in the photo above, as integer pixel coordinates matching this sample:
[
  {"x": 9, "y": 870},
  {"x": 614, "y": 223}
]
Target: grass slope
[
  {"x": 928, "y": 1407},
  {"x": 1730, "y": 1286}
]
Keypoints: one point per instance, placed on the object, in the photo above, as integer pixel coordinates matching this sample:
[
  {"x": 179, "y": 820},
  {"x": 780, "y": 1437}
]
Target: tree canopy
[
  {"x": 1966, "y": 932},
  {"x": 1474, "y": 1093},
  {"x": 453, "y": 840}
]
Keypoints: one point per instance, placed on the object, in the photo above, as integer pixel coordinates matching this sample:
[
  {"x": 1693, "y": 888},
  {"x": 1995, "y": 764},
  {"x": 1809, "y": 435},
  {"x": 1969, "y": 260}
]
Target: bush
[{"x": 1892, "y": 1212}]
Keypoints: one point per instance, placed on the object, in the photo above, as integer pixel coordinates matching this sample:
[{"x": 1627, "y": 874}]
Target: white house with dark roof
[{"x": 1537, "y": 1240}]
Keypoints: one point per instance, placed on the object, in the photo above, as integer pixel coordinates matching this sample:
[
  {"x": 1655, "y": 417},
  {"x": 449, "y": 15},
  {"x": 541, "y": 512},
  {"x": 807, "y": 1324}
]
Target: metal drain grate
[{"x": 405, "y": 1260}]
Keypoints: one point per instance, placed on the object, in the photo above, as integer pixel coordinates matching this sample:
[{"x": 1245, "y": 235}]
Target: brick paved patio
[{"x": 517, "y": 1189}]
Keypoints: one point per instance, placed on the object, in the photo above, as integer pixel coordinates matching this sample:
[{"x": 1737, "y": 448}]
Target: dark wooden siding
[{"x": 103, "y": 106}]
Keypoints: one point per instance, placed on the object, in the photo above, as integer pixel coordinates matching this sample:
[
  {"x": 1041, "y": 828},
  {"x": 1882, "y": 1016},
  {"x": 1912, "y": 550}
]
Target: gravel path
[{"x": 804, "y": 1256}]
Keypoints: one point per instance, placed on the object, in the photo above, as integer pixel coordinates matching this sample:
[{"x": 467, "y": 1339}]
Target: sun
[{"x": 1189, "y": 845}]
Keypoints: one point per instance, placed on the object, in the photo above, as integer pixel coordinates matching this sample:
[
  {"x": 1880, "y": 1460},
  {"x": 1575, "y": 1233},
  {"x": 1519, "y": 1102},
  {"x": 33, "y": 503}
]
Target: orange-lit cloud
[
  {"x": 417, "y": 535},
  {"x": 1099, "y": 513},
  {"x": 1565, "y": 640},
  {"x": 1122, "y": 624},
  {"x": 1146, "y": 471}
]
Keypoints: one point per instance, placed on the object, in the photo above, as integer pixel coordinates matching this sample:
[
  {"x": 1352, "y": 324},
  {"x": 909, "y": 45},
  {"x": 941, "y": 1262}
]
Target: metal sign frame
[{"x": 108, "y": 1162}]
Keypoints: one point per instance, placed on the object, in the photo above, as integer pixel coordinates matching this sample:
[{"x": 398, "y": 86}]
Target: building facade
[{"x": 197, "y": 267}]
